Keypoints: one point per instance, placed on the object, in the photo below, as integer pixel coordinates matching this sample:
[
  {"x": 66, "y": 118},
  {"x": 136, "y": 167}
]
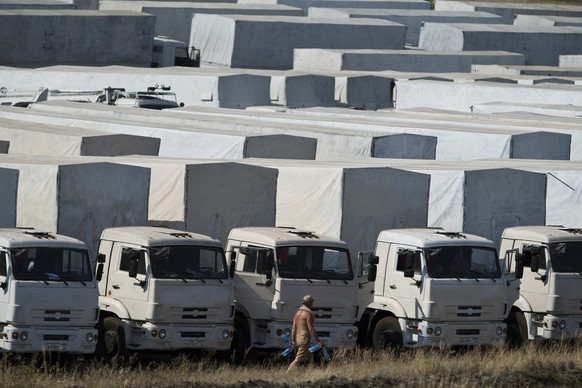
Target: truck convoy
[
  {"x": 434, "y": 288},
  {"x": 162, "y": 290},
  {"x": 49, "y": 295},
  {"x": 275, "y": 268},
  {"x": 546, "y": 260}
]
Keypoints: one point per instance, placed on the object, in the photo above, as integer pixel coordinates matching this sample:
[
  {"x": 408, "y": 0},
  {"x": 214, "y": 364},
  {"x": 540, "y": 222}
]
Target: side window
[
  {"x": 124, "y": 262},
  {"x": 3, "y": 270},
  {"x": 250, "y": 262},
  {"x": 401, "y": 262}
]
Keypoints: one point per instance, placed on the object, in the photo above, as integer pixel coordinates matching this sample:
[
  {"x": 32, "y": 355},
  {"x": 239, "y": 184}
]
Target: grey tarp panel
[
  {"x": 267, "y": 42},
  {"x": 8, "y": 197},
  {"x": 44, "y": 139},
  {"x": 500, "y": 198},
  {"x": 364, "y": 91},
  {"x": 174, "y": 18},
  {"x": 348, "y": 202},
  {"x": 405, "y": 146},
  {"x": 75, "y": 197},
  {"x": 530, "y": 146},
  {"x": 4, "y": 146},
  {"x": 75, "y": 37},
  {"x": 539, "y": 45},
  {"x": 289, "y": 147},
  {"x": 303, "y": 90},
  {"x": 37, "y": 4}
]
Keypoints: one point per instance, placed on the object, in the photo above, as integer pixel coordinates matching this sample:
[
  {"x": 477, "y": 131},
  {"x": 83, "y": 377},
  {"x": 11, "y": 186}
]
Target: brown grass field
[{"x": 530, "y": 366}]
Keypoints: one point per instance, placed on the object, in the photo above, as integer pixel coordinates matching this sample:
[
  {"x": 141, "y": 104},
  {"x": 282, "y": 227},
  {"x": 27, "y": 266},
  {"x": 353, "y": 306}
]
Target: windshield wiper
[{"x": 487, "y": 275}]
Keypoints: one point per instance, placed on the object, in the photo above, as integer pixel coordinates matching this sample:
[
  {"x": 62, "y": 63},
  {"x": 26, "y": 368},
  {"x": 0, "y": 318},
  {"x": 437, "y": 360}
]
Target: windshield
[
  {"x": 566, "y": 257},
  {"x": 307, "y": 262},
  {"x": 53, "y": 264},
  {"x": 188, "y": 262},
  {"x": 462, "y": 262}
]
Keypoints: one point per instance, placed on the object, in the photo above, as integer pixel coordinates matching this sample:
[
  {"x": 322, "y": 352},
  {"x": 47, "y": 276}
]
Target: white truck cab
[
  {"x": 547, "y": 260},
  {"x": 434, "y": 288},
  {"x": 48, "y": 294},
  {"x": 162, "y": 290},
  {"x": 275, "y": 268}
]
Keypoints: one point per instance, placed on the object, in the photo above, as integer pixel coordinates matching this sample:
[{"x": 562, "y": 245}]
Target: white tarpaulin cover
[
  {"x": 44, "y": 139},
  {"x": 193, "y": 86},
  {"x": 75, "y": 197},
  {"x": 206, "y": 196},
  {"x": 539, "y": 45},
  {"x": 326, "y": 60},
  {"x": 176, "y": 140},
  {"x": 411, "y": 18},
  {"x": 350, "y": 203},
  {"x": 376, "y": 4},
  {"x": 267, "y": 42},
  {"x": 8, "y": 194}
]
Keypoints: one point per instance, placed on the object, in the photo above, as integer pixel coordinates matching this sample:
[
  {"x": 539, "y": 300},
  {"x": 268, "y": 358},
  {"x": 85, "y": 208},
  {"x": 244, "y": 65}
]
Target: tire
[
  {"x": 387, "y": 335},
  {"x": 241, "y": 341},
  {"x": 517, "y": 334},
  {"x": 111, "y": 341}
]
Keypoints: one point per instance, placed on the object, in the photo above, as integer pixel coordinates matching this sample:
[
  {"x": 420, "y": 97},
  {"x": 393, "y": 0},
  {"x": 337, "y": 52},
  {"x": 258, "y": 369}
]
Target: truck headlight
[
  {"x": 349, "y": 334},
  {"x": 438, "y": 331},
  {"x": 89, "y": 337},
  {"x": 499, "y": 330},
  {"x": 225, "y": 334},
  {"x": 287, "y": 331},
  {"x": 562, "y": 325},
  {"x": 162, "y": 334},
  {"x": 23, "y": 335}
]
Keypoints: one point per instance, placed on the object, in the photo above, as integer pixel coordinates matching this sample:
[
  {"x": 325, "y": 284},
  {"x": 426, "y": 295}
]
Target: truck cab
[
  {"x": 545, "y": 260},
  {"x": 162, "y": 290},
  {"x": 434, "y": 288},
  {"x": 48, "y": 294},
  {"x": 275, "y": 268}
]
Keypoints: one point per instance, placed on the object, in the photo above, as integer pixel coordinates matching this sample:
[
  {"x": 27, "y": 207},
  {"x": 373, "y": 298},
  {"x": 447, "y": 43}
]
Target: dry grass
[{"x": 531, "y": 366}]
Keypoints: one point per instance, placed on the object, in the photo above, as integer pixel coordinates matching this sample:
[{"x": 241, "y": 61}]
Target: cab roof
[
  {"x": 147, "y": 236},
  {"x": 432, "y": 237},
  {"x": 29, "y": 238},
  {"x": 284, "y": 236},
  {"x": 543, "y": 234}
]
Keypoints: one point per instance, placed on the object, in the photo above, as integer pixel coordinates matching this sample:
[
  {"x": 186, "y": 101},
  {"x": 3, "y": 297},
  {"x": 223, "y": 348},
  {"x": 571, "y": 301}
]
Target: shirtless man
[{"x": 302, "y": 332}]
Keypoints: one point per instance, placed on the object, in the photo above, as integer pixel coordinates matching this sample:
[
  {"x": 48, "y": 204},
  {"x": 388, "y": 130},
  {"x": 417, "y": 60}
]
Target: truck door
[
  {"x": 403, "y": 289},
  {"x": 4, "y": 290},
  {"x": 252, "y": 290},
  {"x": 120, "y": 286},
  {"x": 533, "y": 286}
]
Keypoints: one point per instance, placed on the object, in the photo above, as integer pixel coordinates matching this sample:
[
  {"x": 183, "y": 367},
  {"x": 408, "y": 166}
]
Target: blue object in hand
[
  {"x": 314, "y": 348},
  {"x": 286, "y": 352}
]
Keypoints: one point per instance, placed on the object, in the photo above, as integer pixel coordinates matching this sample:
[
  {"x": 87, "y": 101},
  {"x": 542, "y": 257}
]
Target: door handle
[
  {"x": 116, "y": 286},
  {"x": 393, "y": 286}
]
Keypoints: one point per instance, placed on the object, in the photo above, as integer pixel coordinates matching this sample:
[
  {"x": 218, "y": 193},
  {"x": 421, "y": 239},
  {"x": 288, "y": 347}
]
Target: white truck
[
  {"x": 162, "y": 290},
  {"x": 548, "y": 262},
  {"x": 434, "y": 288},
  {"x": 48, "y": 296},
  {"x": 275, "y": 268}
]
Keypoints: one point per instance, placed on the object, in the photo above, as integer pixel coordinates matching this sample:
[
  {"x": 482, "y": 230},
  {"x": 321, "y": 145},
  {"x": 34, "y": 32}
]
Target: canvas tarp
[
  {"x": 186, "y": 194},
  {"x": 78, "y": 198},
  {"x": 348, "y": 202},
  {"x": 44, "y": 139}
]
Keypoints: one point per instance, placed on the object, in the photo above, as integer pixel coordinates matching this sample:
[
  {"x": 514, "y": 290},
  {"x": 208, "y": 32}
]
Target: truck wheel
[
  {"x": 387, "y": 334},
  {"x": 517, "y": 330},
  {"x": 111, "y": 341},
  {"x": 241, "y": 341}
]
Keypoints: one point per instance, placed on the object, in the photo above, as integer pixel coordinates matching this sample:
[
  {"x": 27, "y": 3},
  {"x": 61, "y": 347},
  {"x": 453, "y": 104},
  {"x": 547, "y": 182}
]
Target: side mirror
[
  {"x": 232, "y": 266},
  {"x": 101, "y": 258},
  {"x": 3, "y": 282},
  {"x": 519, "y": 264},
  {"x": 535, "y": 259},
  {"x": 133, "y": 263},
  {"x": 372, "y": 272},
  {"x": 409, "y": 265},
  {"x": 99, "y": 272}
]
